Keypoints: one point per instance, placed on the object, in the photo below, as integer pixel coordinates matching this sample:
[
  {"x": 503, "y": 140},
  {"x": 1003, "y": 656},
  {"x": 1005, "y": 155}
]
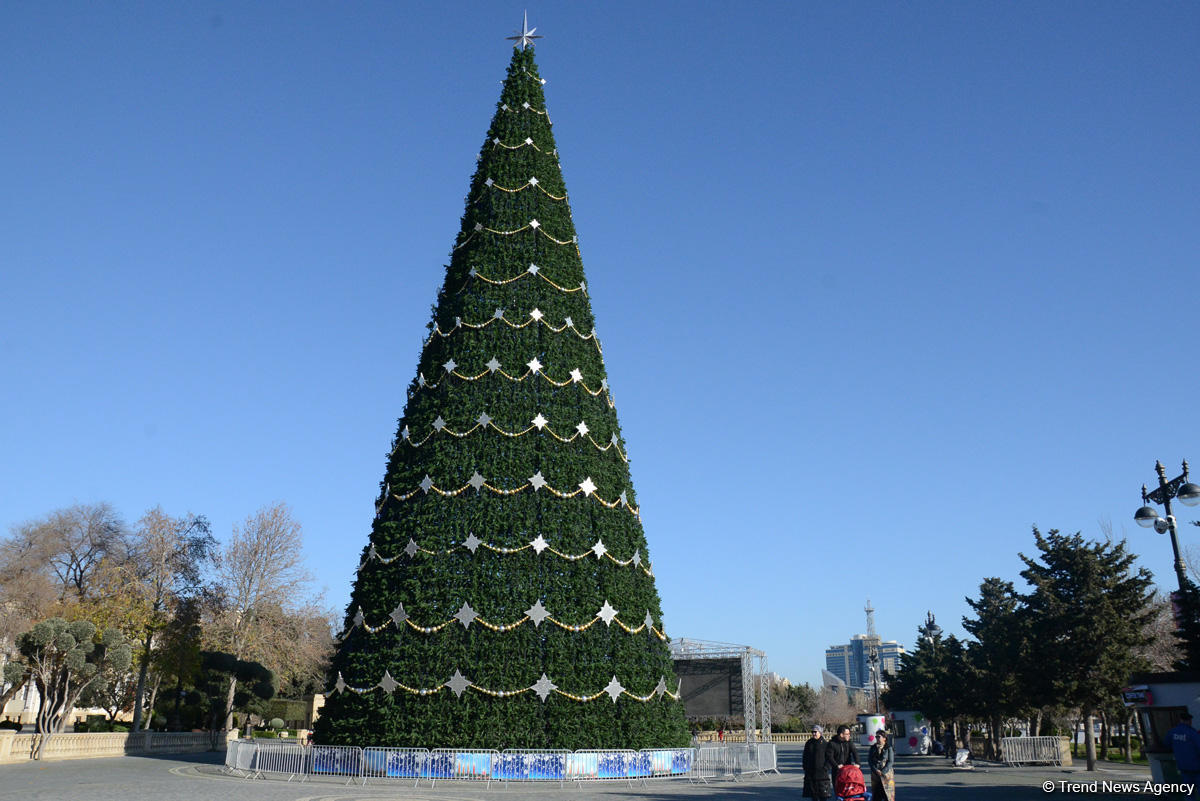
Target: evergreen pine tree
[
  {"x": 506, "y": 597},
  {"x": 1089, "y": 610}
]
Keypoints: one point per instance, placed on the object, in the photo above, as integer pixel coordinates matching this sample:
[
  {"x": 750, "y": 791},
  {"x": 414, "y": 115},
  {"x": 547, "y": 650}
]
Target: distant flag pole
[{"x": 525, "y": 37}]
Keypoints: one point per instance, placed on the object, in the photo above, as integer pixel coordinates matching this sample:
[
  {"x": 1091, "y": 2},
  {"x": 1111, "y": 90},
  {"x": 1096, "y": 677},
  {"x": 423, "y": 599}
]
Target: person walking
[
  {"x": 817, "y": 783},
  {"x": 1185, "y": 743},
  {"x": 882, "y": 760}
]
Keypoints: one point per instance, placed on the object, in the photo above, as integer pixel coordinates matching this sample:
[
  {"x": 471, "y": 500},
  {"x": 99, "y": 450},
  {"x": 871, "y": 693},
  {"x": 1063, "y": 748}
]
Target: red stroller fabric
[{"x": 849, "y": 781}]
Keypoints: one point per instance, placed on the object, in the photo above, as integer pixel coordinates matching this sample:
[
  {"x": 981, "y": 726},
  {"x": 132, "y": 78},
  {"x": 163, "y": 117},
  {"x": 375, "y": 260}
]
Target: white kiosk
[
  {"x": 867, "y": 726},
  {"x": 1159, "y": 698},
  {"x": 911, "y": 733}
]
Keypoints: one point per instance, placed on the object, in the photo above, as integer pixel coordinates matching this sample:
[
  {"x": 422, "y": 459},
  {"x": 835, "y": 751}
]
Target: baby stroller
[{"x": 848, "y": 784}]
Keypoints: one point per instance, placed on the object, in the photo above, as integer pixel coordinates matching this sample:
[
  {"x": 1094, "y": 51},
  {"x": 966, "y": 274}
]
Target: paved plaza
[{"x": 198, "y": 777}]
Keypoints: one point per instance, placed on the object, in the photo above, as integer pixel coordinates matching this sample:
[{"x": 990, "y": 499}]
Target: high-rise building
[{"x": 850, "y": 662}]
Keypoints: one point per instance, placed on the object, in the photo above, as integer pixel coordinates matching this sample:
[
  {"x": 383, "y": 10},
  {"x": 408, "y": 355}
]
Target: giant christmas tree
[{"x": 506, "y": 598}]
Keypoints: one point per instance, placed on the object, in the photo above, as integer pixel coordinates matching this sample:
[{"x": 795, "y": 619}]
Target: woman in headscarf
[{"x": 882, "y": 760}]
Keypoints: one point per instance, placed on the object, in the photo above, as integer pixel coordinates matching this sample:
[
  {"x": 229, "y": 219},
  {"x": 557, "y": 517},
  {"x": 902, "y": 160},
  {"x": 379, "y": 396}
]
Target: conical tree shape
[{"x": 506, "y": 598}]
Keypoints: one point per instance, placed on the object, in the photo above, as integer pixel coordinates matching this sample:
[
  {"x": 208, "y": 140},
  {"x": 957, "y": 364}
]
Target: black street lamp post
[
  {"x": 1178, "y": 487},
  {"x": 873, "y": 658}
]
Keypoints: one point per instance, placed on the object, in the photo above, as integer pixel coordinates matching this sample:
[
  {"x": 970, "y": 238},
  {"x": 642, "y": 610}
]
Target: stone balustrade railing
[
  {"x": 18, "y": 747},
  {"x": 740, "y": 737}
]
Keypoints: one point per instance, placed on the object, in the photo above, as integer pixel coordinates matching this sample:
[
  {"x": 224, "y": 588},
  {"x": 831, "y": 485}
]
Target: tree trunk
[
  {"x": 229, "y": 703},
  {"x": 998, "y": 732},
  {"x": 141, "y": 682},
  {"x": 1089, "y": 740},
  {"x": 12, "y": 691},
  {"x": 150, "y": 704},
  {"x": 1104, "y": 735},
  {"x": 176, "y": 721},
  {"x": 1129, "y": 737}
]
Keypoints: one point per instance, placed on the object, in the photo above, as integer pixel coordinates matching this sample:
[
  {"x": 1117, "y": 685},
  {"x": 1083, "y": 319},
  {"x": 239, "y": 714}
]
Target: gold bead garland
[
  {"x": 424, "y": 383},
  {"x": 342, "y": 686},
  {"x": 498, "y": 627},
  {"x": 463, "y": 324},
  {"x": 521, "y": 188},
  {"x": 427, "y": 486},
  {"x": 513, "y": 434},
  {"x": 532, "y": 225},
  {"x": 373, "y": 554},
  {"x": 473, "y": 273}
]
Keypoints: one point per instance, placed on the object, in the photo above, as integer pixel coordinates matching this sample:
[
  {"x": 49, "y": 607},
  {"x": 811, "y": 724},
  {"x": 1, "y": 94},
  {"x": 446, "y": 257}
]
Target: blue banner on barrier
[
  {"x": 335, "y": 760},
  {"x": 472, "y": 765},
  {"x": 531, "y": 767},
  {"x": 536, "y": 766},
  {"x": 439, "y": 766},
  {"x": 393, "y": 764}
]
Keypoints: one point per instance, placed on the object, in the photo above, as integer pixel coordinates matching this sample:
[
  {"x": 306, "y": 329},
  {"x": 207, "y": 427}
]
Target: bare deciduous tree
[
  {"x": 49, "y": 564},
  {"x": 167, "y": 559},
  {"x": 833, "y": 708},
  {"x": 1162, "y": 650},
  {"x": 260, "y": 575},
  {"x": 76, "y": 541}
]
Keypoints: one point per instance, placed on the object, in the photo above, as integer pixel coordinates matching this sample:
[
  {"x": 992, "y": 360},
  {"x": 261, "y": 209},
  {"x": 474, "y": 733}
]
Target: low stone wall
[{"x": 16, "y": 747}]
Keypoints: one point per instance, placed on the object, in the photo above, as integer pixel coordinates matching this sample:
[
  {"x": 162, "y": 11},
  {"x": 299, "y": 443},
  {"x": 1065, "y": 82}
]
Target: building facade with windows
[{"x": 850, "y": 662}]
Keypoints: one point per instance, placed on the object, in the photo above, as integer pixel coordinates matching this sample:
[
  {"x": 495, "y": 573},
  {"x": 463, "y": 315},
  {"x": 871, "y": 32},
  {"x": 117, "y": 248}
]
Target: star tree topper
[{"x": 525, "y": 37}]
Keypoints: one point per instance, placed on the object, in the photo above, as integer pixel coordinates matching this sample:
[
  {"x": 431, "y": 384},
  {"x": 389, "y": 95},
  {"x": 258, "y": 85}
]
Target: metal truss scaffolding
[{"x": 754, "y": 664}]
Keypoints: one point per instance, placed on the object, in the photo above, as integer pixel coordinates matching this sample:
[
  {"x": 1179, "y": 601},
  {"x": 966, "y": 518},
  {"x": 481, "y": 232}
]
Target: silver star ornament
[
  {"x": 525, "y": 36},
  {"x": 544, "y": 687},
  {"x": 466, "y": 615},
  {"x": 537, "y": 613},
  {"x": 458, "y": 683},
  {"x": 607, "y": 613}
]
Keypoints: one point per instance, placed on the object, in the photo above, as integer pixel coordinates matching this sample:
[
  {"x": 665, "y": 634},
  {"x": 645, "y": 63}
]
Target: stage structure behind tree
[
  {"x": 506, "y": 597},
  {"x": 717, "y": 680}
]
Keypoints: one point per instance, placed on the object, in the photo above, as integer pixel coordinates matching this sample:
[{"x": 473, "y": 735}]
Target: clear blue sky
[{"x": 880, "y": 285}]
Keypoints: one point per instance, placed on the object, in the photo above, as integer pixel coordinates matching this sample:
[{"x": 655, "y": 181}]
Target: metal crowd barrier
[
  {"x": 533, "y": 765},
  {"x": 453, "y": 764},
  {"x": 709, "y": 762},
  {"x": 394, "y": 763},
  {"x": 280, "y": 758},
  {"x": 259, "y": 759},
  {"x": 1027, "y": 750},
  {"x": 670, "y": 762},
  {"x": 335, "y": 760},
  {"x": 767, "y": 758}
]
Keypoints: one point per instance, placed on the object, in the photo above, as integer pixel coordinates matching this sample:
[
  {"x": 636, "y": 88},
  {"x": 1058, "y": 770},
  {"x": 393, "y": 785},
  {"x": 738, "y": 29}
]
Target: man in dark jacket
[
  {"x": 1185, "y": 742},
  {"x": 841, "y": 751},
  {"x": 816, "y": 772}
]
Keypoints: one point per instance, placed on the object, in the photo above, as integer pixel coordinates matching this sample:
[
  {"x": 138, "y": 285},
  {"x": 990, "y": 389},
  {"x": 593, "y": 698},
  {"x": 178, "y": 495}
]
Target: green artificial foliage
[
  {"x": 1187, "y": 622},
  {"x": 495, "y": 305}
]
